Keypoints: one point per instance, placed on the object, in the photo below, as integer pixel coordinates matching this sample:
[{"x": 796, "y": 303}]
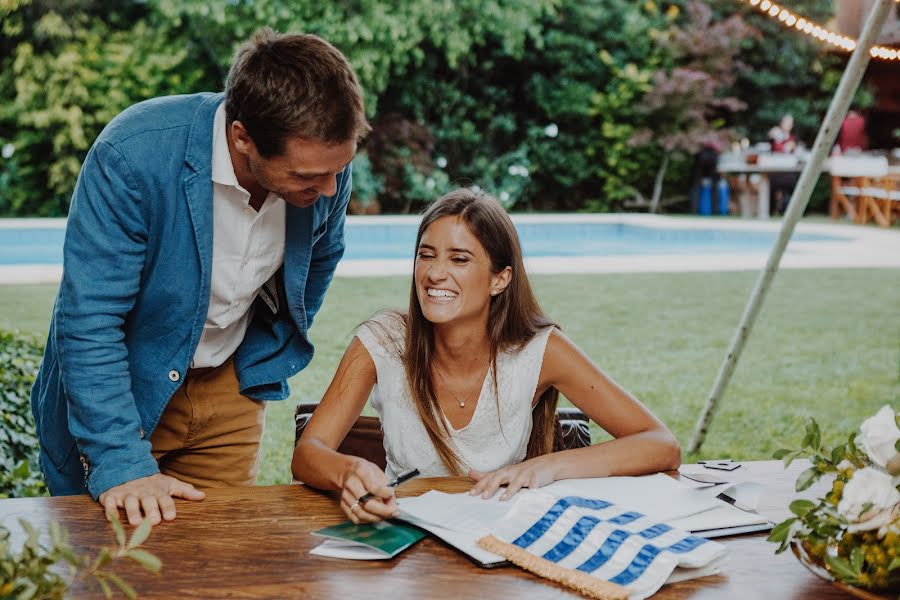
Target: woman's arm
[
  {"x": 642, "y": 444},
  {"x": 316, "y": 461}
]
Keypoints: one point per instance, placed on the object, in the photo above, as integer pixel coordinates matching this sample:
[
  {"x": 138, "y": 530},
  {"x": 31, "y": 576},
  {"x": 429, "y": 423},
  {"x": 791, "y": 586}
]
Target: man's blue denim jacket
[{"x": 135, "y": 292}]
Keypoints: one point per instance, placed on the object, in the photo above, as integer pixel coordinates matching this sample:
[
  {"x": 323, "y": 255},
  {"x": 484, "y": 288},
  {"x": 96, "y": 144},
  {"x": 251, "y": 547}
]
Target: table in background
[
  {"x": 254, "y": 543},
  {"x": 763, "y": 187}
]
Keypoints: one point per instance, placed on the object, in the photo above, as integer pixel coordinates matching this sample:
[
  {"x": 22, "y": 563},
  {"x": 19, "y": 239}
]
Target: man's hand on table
[{"x": 151, "y": 496}]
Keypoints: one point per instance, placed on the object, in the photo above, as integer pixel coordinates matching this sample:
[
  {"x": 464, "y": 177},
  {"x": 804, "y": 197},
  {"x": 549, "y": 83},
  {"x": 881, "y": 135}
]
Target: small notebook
[{"x": 371, "y": 541}]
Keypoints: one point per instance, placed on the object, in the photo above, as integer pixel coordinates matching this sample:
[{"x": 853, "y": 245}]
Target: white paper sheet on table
[
  {"x": 461, "y": 519},
  {"x": 458, "y": 519},
  {"x": 336, "y": 549},
  {"x": 659, "y": 495},
  {"x": 726, "y": 519}
]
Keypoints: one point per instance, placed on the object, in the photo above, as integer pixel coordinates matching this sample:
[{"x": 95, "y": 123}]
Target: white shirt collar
[{"x": 222, "y": 169}]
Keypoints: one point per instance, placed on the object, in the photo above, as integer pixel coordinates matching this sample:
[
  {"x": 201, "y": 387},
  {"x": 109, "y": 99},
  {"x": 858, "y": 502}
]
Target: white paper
[
  {"x": 682, "y": 574},
  {"x": 748, "y": 493},
  {"x": 464, "y": 541},
  {"x": 658, "y": 496},
  {"x": 458, "y": 519},
  {"x": 720, "y": 517},
  {"x": 456, "y": 512},
  {"x": 461, "y": 519},
  {"x": 350, "y": 550}
]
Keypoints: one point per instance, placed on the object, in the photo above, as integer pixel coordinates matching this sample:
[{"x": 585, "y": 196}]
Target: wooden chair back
[{"x": 366, "y": 438}]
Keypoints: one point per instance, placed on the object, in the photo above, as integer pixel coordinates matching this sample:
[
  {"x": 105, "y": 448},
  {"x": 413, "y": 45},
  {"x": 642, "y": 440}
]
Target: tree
[
  {"x": 686, "y": 106},
  {"x": 68, "y": 68}
]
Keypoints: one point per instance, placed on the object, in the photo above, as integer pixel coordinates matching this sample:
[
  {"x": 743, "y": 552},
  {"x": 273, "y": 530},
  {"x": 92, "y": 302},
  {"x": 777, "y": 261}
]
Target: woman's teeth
[{"x": 434, "y": 293}]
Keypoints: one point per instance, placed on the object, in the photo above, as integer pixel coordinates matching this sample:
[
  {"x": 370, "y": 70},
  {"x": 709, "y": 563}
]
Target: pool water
[
  {"x": 395, "y": 241},
  {"x": 581, "y": 239}
]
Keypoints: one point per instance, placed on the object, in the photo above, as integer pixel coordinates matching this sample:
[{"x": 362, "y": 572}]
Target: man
[
  {"x": 202, "y": 235},
  {"x": 852, "y": 135}
]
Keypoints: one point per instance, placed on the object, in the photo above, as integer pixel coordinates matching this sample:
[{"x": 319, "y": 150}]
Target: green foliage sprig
[{"x": 33, "y": 573}]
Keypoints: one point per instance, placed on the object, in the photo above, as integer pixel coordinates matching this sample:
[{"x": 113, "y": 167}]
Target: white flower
[
  {"x": 429, "y": 183},
  {"x": 504, "y": 196},
  {"x": 877, "y": 436},
  {"x": 892, "y": 527},
  {"x": 441, "y": 162},
  {"x": 551, "y": 130},
  {"x": 513, "y": 169},
  {"x": 8, "y": 150},
  {"x": 868, "y": 486},
  {"x": 844, "y": 465},
  {"x": 883, "y": 521}
]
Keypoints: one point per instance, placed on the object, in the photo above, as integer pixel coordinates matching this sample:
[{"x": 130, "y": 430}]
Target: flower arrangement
[{"x": 854, "y": 531}]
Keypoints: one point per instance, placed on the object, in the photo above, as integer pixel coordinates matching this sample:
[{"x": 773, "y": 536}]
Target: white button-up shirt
[{"x": 248, "y": 248}]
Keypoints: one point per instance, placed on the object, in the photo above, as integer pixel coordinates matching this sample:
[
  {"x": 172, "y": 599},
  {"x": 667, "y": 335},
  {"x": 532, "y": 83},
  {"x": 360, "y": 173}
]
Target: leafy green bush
[
  {"x": 67, "y": 69},
  {"x": 20, "y": 357},
  {"x": 366, "y": 183},
  {"x": 479, "y": 82}
]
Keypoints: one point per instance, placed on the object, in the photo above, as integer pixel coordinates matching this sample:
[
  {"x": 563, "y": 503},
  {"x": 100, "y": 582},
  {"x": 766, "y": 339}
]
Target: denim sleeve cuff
[{"x": 117, "y": 471}]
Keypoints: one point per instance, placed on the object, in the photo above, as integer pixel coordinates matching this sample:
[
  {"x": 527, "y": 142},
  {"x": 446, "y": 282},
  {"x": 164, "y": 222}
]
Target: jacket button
[
  {"x": 173, "y": 375},
  {"x": 143, "y": 434}
]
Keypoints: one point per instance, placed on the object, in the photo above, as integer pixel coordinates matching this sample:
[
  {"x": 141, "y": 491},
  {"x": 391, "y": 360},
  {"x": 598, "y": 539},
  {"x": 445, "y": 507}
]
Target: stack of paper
[
  {"x": 461, "y": 519},
  {"x": 666, "y": 499}
]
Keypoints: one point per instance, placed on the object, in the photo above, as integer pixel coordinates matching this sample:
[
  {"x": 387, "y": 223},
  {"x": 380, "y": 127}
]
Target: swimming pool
[{"x": 368, "y": 240}]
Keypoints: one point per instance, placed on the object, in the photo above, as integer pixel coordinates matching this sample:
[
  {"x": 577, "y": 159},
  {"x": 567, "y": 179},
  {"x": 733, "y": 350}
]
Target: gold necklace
[{"x": 462, "y": 403}]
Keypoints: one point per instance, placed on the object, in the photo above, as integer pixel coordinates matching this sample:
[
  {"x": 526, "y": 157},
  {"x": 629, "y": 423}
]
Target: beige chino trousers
[{"x": 209, "y": 434}]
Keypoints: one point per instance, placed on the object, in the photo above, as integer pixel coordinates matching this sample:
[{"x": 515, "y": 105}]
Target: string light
[{"x": 812, "y": 29}]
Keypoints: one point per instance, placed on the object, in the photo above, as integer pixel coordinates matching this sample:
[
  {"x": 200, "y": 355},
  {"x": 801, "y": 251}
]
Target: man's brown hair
[{"x": 293, "y": 85}]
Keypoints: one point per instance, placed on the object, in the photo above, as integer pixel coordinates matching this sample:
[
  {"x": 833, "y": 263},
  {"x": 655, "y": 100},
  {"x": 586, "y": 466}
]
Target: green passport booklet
[{"x": 370, "y": 541}]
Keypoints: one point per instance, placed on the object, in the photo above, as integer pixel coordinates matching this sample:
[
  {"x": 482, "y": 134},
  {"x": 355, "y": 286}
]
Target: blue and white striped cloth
[{"x": 603, "y": 540}]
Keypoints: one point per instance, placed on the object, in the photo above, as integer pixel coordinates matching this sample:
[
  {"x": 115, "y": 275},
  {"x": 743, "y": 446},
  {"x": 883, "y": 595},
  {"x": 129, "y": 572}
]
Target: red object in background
[
  {"x": 853, "y": 133},
  {"x": 780, "y": 145}
]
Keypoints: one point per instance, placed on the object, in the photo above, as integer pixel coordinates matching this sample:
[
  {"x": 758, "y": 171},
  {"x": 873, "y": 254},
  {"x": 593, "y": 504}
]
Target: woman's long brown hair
[{"x": 514, "y": 318}]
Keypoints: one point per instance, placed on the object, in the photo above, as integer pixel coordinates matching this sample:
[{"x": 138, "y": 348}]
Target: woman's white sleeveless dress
[{"x": 483, "y": 444}]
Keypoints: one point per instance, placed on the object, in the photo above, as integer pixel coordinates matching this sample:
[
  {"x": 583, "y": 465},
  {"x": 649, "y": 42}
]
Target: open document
[{"x": 461, "y": 519}]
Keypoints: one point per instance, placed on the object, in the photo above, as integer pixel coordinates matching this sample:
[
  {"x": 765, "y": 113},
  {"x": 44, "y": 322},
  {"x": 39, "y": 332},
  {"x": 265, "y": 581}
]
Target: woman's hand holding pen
[{"x": 360, "y": 478}]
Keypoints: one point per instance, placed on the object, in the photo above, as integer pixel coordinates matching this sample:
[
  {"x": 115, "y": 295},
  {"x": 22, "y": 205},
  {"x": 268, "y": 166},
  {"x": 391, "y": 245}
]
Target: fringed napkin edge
[{"x": 582, "y": 582}]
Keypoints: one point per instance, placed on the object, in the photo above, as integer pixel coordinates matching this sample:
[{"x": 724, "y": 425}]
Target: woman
[
  {"x": 782, "y": 185},
  {"x": 468, "y": 381}
]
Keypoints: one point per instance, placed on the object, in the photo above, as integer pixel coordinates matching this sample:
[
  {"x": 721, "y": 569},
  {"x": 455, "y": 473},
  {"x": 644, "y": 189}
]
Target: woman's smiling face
[{"x": 453, "y": 273}]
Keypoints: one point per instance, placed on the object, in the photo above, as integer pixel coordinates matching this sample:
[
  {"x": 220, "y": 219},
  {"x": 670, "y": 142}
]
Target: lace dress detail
[{"x": 483, "y": 444}]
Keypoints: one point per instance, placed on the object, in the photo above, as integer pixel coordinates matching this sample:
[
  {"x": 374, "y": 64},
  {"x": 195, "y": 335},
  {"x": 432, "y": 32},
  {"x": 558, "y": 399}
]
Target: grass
[{"x": 826, "y": 343}]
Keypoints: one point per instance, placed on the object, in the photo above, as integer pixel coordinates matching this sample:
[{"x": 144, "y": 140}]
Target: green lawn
[{"x": 827, "y": 343}]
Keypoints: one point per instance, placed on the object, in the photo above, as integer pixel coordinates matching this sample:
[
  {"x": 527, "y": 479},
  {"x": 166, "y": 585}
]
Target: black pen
[{"x": 400, "y": 479}]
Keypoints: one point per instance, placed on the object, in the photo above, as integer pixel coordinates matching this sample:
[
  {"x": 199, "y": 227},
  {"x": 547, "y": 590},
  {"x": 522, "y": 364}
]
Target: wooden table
[
  {"x": 254, "y": 543},
  {"x": 761, "y": 208}
]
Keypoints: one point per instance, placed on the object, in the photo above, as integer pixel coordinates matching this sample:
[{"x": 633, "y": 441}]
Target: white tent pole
[{"x": 846, "y": 90}]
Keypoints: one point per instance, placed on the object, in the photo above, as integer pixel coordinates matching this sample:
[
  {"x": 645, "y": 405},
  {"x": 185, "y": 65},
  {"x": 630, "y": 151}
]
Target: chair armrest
[
  {"x": 574, "y": 429},
  {"x": 365, "y": 439}
]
